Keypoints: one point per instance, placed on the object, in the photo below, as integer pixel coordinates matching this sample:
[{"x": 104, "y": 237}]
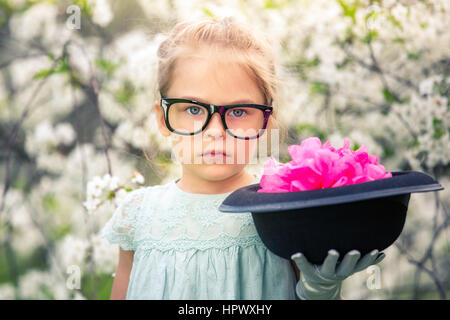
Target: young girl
[{"x": 174, "y": 242}]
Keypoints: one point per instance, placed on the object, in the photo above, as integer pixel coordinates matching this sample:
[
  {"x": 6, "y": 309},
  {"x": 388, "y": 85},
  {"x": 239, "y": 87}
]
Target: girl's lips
[{"x": 215, "y": 154}]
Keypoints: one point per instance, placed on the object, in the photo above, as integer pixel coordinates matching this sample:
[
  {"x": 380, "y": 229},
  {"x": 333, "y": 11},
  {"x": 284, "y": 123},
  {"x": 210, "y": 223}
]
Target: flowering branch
[
  {"x": 15, "y": 129},
  {"x": 428, "y": 255}
]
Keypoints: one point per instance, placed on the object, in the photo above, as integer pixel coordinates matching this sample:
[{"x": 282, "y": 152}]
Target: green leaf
[
  {"x": 49, "y": 203},
  {"x": 388, "y": 96},
  {"x": 305, "y": 63},
  {"x": 304, "y": 126},
  {"x": 274, "y": 4},
  {"x": 349, "y": 9},
  {"x": 344, "y": 62},
  {"x": 395, "y": 22},
  {"x": 371, "y": 35},
  {"x": 126, "y": 93},
  {"x": 208, "y": 12},
  {"x": 61, "y": 67},
  {"x": 372, "y": 15},
  {"x": 302, "y": 65},
  {"x": 96, "y": 286},
  {"x": 43, "y": 73},
  {"x": 61, "y": 232},
  {"x": 86, "y": 6},
  {"x": 51, "y": 56},
  {"x": 398, "y": 40},
  {"x": 311, "y": 130},
  {"x": 19, "y": 183},
  {"x": 312, "y": 63},
  {"x": 318, "y": 87},
  {"x": 388, "y": 152},
  {"x": 106, "y": 65},
  {"x": 163, "y": 159},
  {"x": 285, "y": 159},
  {"x": 414, "y": 56},
  {"x": 438, "y": 127},
  {"x": 5, "y": 12}
]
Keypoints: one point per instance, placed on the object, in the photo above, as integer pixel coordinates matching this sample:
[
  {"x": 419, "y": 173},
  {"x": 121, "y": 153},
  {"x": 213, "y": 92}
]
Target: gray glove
[{"x": 325, "y": 281}]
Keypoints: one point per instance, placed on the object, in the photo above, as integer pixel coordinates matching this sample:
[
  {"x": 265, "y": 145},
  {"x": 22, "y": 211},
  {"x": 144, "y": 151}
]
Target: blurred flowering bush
[{"x": 77, "y": 86}]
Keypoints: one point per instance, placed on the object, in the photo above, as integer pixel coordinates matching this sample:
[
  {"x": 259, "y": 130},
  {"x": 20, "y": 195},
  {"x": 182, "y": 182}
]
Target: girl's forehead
[
  {"x": 215, "y": 78},
  {"x": 214, "y": 58}
]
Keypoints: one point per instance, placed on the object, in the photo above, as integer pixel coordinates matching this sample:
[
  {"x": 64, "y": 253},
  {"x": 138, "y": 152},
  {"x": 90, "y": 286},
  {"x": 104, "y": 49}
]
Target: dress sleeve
[{"x": 120, "y": 228}]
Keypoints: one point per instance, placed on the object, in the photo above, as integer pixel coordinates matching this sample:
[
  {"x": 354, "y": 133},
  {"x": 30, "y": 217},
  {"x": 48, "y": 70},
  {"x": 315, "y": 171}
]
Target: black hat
[{"x": 362, "y": 216}]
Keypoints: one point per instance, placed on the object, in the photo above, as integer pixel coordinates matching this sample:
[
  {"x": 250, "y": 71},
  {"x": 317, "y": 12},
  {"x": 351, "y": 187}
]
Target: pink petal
[
  {"x": 327, "y": 145},
  {"x": 305, "y": 178},
  {"x": 305, "y": 150},
  {"x": 273, "y": 181},
  {"x": 373, "y": 159},
  {"x": 341, "y": 182},
  {"x": 375, "y": 171},
  {"x": 359, "y": 179}
]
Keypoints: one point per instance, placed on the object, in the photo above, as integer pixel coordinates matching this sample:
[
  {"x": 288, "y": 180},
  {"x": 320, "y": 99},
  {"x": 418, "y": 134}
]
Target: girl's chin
[
  {"x": 216, "y": 170},
  {"x": 216, "y": 161}
]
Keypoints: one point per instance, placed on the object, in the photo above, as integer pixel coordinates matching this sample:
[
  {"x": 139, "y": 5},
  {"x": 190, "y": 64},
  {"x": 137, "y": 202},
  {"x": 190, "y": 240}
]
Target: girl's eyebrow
[{"x": 234, "y": 102}]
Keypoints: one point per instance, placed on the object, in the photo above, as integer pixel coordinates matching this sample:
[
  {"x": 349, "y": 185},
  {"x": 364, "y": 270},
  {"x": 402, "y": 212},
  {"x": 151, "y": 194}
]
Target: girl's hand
[{"x": 325, "y": 281}]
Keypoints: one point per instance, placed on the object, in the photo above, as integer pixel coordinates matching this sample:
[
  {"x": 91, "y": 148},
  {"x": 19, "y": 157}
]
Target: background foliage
[{"x": 76, "y": 115}]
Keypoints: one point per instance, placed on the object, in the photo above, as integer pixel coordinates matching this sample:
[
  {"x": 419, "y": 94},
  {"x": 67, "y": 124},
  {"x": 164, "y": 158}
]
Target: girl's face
[{"x": 206, "y": 78}]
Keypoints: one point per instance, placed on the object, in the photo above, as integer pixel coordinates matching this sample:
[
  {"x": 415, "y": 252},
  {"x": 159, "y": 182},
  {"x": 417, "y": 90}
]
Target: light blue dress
[{"x": 185, "y": 248}]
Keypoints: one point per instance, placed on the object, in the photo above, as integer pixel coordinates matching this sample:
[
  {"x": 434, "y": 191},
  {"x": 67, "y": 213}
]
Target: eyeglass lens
[{"x": 242, "y": 121}]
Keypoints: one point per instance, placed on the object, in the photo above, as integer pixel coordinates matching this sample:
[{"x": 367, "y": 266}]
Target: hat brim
[{"x": 247, "y": 199}]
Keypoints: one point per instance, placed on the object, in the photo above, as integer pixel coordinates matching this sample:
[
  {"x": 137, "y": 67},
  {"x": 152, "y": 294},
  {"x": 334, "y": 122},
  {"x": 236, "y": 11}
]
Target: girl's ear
[{"x": 160, "y": 120}]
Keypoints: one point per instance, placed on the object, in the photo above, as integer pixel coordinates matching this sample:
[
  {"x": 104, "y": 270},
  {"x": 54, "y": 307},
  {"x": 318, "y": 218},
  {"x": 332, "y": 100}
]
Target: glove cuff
[{"x": 316, "y": 291}]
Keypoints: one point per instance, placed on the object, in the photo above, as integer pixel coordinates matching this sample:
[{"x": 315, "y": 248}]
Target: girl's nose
[{"x": 215, "y": 127}]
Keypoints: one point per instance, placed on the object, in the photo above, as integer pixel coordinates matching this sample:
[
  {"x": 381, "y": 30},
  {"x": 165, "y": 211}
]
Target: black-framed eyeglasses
[{"x": 189, "y": 117}]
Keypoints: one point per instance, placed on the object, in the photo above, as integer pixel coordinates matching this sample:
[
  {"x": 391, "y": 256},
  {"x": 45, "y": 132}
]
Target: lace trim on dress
[
  {"x": 222, "y": 241},
  {"x": 165, "y": 222}
]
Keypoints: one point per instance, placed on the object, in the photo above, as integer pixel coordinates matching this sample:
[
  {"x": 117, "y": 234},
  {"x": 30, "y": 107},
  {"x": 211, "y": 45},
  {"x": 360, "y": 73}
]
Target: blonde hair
[{"x": 243, "y": 45}]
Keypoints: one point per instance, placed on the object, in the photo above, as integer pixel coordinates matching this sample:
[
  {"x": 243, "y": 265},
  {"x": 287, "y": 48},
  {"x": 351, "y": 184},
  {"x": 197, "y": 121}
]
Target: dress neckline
[{"x": 205, "y": 196}]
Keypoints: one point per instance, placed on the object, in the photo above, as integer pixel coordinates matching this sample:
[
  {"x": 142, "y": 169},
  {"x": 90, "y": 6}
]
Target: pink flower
[{"x": 317, "y": 166}]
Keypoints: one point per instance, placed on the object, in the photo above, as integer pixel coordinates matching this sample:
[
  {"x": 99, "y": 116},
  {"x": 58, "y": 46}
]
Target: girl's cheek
[
  {"x": 182, "y": 150},
  {"x": 243, "y": 152}
]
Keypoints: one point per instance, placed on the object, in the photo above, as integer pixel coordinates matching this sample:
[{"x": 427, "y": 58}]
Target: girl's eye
[
  {"x": 238, "y": 113},
  {"x": 194, "y": 110}
]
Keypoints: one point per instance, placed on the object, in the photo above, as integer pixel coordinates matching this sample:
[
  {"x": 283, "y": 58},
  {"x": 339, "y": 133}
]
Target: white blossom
[
  {"x": 105, "y": 255},
  {"x": 65, "y": 134},
  {"x": 39, "y": 19},
  {"x": 137, "y": 178},
  {"x": 119, "y": 196},
  {"x": 102, "y": 12},
  {"x": 96, "y": 185},
  {"x": 32, "y": 285},
  {"x": 7, "y": 292},
  {"x": 111, "y": 182},
  {"x": 72, "y": 250}
]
